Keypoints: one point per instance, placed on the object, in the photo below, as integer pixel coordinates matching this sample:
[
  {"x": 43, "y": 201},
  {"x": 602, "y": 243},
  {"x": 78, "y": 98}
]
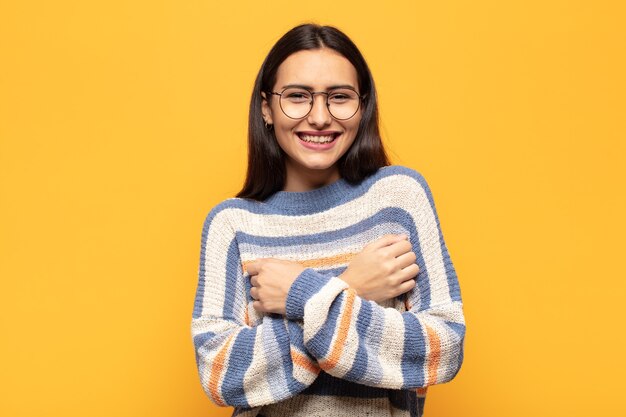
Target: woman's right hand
[{"x": 384, "y": 269}]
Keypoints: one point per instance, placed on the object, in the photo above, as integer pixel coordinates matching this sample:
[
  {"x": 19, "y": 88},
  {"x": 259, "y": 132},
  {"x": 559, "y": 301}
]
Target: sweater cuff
[{"x": 306, "y": 285}]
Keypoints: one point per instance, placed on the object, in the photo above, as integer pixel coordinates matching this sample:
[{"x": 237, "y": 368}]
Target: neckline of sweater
[{"x": 314, "y": 200}]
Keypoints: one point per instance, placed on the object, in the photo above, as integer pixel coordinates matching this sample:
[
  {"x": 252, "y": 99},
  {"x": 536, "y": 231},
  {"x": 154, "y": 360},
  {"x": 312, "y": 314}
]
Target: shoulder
[
  {"x": 219, "y": 214},
  {"x": 232, "y": 209},
  {"x": 403, "y": 174},
  {"x": 407, "y": 181}
]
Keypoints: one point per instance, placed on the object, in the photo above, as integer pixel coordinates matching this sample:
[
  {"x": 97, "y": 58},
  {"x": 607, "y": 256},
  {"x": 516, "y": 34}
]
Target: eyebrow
[{"x": 308, "y": 87}]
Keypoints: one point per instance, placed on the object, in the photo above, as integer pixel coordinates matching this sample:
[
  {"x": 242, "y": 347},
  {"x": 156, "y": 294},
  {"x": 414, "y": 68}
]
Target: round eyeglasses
[{"x": 297, "y": 102}]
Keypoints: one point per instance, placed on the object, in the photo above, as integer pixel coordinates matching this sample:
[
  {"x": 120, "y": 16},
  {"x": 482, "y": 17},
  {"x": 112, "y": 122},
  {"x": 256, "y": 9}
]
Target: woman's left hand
[{"x": 271, "y": 279}]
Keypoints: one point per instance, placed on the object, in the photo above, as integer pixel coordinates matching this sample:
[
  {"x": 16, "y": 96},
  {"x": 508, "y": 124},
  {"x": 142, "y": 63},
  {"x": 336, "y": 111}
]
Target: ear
[{"x": 266, "y": 109}]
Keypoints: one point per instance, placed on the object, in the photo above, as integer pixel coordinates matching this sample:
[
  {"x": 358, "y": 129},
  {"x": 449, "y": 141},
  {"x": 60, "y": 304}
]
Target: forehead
[{"x": 318, "y": 68}]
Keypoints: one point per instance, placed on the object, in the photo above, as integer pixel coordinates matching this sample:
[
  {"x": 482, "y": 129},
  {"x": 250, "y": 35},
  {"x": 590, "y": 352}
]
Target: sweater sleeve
[
  {"x": 361, "y": 341},
  {"x": 239, "y": 364}
]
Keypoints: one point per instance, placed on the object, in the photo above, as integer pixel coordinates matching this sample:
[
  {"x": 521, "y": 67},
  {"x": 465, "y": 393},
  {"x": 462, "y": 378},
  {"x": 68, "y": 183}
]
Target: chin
[{"x": 316, "y": 163}]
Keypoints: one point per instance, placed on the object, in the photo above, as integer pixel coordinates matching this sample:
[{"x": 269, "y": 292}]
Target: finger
[
  {"x": 254, "y": 293},
  {"x": 254, "y": 281},
  {"x": 399, "y": 248},
  {"x": 387, "y": 240},
  {"x": 409, "y": 272},
  {"x": 257, "y": 306},
  {"x": 406, "y": 286},
  {"x": 253, "y": 267},
  {"x": 406, "y": 259}
]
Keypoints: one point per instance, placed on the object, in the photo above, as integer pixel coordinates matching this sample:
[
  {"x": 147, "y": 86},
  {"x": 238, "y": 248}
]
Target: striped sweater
[{"x": 333, "y": 352}]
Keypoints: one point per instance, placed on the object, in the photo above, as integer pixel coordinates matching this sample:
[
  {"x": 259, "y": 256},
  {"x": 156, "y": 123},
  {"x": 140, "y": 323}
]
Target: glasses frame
[{"x": 313, "y": 93}]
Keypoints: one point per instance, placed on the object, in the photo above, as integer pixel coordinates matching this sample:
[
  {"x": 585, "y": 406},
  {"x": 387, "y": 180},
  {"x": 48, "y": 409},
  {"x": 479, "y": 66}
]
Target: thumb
[{"x": 253, "y": 267}]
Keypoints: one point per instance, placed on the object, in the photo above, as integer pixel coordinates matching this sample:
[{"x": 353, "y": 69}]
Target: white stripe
[
  {"x": 448, "y": 338},
  {"x": 218, "y": 239},
  {"x": 317, "y": 308},
  {"x": 255, "y": 382},
  {"x": 303, "y": 251},
  {"x": 392, "y": 348}
]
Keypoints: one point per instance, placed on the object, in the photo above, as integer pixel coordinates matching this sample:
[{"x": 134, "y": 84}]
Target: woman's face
[{"x": 318, "y": 69}]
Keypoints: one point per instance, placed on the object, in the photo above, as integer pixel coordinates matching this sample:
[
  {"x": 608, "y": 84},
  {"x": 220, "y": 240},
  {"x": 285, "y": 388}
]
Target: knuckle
[
  {"x": 388, "y": 268},
  {"x": 398, "y": 281}
]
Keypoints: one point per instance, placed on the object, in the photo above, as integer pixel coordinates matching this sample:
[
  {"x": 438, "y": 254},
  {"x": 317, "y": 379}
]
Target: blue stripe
[
  {"x": 356, "y": 191},
  {"x": 359, "y": 366},
  {"x": 233, "y": 273},
  {"x": 414, "y": 352},
  {"x": 378, "y": 230},
  {"x": 458, "y": 328},
  {"x": 197, "y": 307},
  {"x": 453, "y": 284},
  {"x": 374, "y": 334},
  {"x": 306, "y": 285},
  {"x": 274, "y": 342},
  {"x": 198, "y": 341},
  {"x": 239, "y": 360},
  {"x": 279, "y": 332},
  {"x": 296, "y": 336},
  {"x": 386, "y": 215}
]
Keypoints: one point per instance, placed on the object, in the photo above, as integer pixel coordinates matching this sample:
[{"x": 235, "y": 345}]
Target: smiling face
[{"x": 318, "y": 70}]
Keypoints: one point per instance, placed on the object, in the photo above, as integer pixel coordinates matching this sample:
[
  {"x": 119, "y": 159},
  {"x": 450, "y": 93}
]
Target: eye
[
  {"x": 296, "y": 95},
  {"x": 342, "y": 96},
  {"x": 339, "y": 97}
]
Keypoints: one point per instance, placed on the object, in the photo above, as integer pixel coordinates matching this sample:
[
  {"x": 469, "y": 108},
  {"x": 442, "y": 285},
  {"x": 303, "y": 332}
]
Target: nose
[{"x": 319, "y": 114}]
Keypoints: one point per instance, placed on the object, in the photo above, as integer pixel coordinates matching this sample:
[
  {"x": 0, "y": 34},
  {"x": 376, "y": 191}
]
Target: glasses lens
[
  {"x": 295, "y": 102},
  {"x": 343, "y": 103}
]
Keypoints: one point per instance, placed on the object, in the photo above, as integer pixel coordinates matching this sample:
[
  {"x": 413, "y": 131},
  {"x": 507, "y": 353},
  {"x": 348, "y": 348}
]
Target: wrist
[
  {"x": 346, "y": 276},
  {"x": 307, "y": 284}
]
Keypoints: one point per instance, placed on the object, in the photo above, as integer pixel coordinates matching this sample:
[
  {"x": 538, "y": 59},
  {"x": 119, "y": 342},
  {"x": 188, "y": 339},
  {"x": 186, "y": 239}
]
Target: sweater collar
[{"x": 311, "y": 201}]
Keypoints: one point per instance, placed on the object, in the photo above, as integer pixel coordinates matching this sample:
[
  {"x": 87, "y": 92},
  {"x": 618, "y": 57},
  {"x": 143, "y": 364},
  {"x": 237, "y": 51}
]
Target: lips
[
  {"x": 333, "y": 133},
  {"x": 327, "y": 133},
  {"x": 327, "y": 139}
]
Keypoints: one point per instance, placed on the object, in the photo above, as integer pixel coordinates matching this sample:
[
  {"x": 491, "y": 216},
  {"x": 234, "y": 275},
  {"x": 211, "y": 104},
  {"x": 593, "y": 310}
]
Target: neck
[{"x": 304, "y": 179}]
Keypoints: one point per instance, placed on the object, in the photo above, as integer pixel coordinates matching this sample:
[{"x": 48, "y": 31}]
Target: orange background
[{"x": 123, "y": 122}]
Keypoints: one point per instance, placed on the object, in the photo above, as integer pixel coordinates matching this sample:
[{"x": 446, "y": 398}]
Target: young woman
[{"x": 325, "y": 286}]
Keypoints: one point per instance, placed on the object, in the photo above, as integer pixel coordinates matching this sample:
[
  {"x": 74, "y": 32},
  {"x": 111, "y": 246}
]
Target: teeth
[{"x": 317, "y": 139}]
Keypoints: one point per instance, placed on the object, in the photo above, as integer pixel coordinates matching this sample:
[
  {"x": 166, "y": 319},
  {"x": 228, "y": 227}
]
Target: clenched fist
[{"x": 384, "y": 269}]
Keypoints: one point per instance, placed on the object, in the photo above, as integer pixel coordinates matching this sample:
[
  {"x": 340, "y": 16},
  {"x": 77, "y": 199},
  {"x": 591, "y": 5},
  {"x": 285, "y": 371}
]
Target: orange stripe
[
  {"x": 326, "y": 262},
  {"x": 216, "y": 372},
  {"x": 342, "y": 334},
  {"x": 435, "y": 355},
  {"x": 303, "y": 361}
]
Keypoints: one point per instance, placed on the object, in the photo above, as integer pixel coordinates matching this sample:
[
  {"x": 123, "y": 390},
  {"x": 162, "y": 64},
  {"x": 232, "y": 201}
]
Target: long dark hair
[{"x": 266, "y": 160}]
